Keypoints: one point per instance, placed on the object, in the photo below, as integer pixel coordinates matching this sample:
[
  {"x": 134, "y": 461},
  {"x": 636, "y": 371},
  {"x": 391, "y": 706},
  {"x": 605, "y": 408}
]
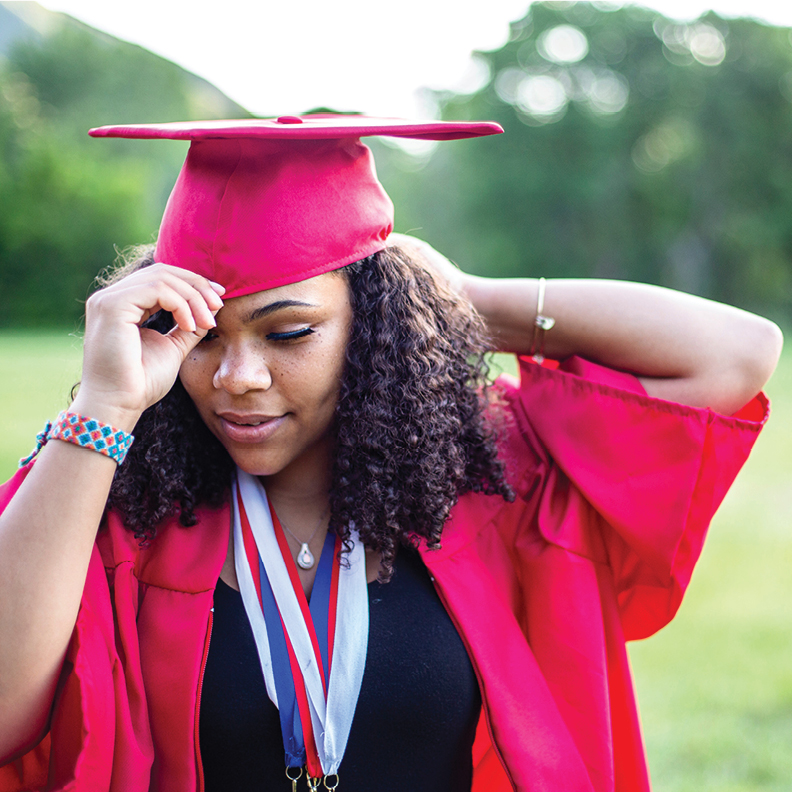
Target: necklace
[{"x": 305, "y": 558}]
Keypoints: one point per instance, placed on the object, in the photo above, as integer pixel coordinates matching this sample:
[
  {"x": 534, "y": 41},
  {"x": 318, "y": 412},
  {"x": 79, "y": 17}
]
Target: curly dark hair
[{"x": 414, "y": 426}]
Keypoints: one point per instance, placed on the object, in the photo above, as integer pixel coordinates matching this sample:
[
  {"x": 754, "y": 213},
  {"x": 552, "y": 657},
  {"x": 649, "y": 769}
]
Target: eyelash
[{"x": 290, "y": 336}]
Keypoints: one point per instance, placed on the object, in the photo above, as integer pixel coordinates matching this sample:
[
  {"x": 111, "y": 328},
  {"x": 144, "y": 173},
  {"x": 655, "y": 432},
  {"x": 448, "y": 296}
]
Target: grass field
[
  {"x": 37, "y": 372},
  {"x": 715, "y": 687}
]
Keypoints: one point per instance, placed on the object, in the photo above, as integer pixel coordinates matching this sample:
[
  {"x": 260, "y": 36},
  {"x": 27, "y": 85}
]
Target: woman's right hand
[
  {"x": 48, "y": 529},
  {"x": 126, "y": 367}
]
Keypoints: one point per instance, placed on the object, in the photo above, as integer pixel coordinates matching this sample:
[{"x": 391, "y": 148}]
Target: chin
[{"x": 257, "y": 466}]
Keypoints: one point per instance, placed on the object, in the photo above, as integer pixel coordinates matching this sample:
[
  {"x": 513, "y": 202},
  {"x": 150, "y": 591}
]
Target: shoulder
[{"x": 180, "y": 558}]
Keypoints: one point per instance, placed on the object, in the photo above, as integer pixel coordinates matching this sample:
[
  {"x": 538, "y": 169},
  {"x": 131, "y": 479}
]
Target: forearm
[
  {"x": 46, "y": 538},
  {"x": 683, "y": 348}
]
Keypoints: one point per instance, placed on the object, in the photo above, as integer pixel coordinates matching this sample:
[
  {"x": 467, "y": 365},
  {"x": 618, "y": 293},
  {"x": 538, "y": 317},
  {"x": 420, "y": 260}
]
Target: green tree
[
  {"x": 653, "y": 151},
  {"x": 66, "y": 200}
]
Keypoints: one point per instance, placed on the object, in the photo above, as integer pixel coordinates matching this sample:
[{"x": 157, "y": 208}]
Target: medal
[{"x": 312, "y": 657}]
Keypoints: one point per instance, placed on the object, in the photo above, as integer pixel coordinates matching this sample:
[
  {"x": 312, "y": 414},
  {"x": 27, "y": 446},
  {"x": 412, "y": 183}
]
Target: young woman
[{"x": 335, "y": 556}]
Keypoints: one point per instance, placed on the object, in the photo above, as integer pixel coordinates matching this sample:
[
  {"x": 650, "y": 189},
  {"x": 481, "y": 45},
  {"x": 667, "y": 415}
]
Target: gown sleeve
[
  {"x": 78, "y": 751},
  {"x": 627, "y": 479}
]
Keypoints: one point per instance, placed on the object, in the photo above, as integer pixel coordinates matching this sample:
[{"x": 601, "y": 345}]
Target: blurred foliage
[
  {"x": 663, "y": 154},
  {"x": 66, "y": 200},
  {"x": 634, "y": 148}
]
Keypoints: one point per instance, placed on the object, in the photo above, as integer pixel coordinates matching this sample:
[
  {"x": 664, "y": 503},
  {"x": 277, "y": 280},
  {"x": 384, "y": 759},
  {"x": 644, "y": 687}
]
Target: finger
[
  {"x": 135, "y": 303},
  {"x": 190, "y": 298},
  {"x": 185, "y": 341},
  {"x": 209, "y": 290},
  {"x": 204, "y": 302},
  {"x": 181, "y": 307}
]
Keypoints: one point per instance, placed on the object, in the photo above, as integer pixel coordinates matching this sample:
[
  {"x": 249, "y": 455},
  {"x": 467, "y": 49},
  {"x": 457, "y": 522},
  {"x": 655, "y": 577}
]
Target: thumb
[{"x": 184, "y": 340}]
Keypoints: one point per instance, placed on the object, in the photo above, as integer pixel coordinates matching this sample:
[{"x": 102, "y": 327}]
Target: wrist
[
  {"x": 118, "y": 417},
  {"x": 85, "y": 432}
]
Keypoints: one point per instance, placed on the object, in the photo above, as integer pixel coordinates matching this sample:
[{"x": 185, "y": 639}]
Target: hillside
[
  {"x": 28, "y": 23},
  {"x": 68, "y": 201}
]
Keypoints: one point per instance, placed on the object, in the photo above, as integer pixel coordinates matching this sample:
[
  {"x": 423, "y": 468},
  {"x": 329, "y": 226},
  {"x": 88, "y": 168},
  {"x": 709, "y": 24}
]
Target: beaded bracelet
[{"x": 86, "y": 433}]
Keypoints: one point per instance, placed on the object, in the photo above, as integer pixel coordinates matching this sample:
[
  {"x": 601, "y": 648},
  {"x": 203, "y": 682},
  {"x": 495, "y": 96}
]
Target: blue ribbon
[{"x": 288, "y": 710}]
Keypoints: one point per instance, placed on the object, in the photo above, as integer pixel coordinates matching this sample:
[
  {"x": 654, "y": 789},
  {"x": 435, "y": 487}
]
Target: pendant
[{"x": 305, "y": 557}]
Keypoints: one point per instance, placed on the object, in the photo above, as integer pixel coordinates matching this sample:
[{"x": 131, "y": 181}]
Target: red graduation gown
[{"x": 615, "y": 491}]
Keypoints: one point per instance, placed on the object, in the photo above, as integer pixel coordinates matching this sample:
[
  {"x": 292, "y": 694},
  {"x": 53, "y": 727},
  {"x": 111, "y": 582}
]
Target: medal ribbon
[{"x": 312, "y": 657}]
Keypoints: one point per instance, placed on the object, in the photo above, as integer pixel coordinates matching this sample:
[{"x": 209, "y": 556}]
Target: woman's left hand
[{"x": 440, "y": 267}]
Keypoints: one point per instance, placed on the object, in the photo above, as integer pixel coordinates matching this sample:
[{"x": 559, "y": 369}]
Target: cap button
[{"x": 289, "y": 120}]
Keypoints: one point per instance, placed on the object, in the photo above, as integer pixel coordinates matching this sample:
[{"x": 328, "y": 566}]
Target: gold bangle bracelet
[{"x": 541, "y": 324}]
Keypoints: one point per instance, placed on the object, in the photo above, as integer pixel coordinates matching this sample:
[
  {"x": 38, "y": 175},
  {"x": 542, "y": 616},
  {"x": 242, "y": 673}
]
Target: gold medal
[{"x": 294, "y": 778}]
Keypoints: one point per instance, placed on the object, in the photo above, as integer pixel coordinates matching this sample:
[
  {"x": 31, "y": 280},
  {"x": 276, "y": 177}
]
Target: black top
[{"x": 416, "y": 715}]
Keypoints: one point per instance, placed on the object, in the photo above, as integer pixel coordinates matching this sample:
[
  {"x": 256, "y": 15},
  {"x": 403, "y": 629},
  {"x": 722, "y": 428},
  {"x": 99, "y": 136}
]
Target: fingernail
[{"x": 217, "y": 287}]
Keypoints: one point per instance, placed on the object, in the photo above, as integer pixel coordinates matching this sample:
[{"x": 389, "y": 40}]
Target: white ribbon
[{"x": 331, "y": 718}]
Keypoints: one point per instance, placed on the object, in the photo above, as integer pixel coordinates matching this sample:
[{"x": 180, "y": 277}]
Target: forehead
[{"x": 327, "y": 291}]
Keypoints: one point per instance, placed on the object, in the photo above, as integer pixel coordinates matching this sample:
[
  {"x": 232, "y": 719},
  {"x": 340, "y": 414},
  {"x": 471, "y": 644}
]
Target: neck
[{"x": 299, "y": 494}]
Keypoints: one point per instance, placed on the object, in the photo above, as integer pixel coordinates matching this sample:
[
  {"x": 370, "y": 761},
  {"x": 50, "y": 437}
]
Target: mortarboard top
[{"x": 260, "y": 203}]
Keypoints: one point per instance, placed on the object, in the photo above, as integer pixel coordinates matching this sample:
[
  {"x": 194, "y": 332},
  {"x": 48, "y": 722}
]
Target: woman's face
[{"x": 266, "y": 379}]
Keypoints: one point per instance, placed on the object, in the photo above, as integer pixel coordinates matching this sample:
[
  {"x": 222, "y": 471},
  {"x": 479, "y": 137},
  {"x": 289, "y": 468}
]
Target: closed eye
[{"x": 291, "y": 335}]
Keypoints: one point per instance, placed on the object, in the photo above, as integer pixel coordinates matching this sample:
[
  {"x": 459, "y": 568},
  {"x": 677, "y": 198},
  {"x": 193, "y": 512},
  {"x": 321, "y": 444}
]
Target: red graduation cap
[{"x": 260, "y": 203}]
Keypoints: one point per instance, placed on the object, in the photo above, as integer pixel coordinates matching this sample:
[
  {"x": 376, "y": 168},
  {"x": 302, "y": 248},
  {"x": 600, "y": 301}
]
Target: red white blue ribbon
[{"x": 312, "y": 657}]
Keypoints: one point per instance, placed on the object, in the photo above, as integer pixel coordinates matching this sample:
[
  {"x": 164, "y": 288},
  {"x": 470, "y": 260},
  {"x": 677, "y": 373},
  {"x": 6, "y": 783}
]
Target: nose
[{"x": 242, "y": 370}]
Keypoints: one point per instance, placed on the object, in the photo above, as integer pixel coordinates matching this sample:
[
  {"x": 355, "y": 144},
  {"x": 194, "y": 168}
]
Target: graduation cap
[{"x": 260, "y": 203}]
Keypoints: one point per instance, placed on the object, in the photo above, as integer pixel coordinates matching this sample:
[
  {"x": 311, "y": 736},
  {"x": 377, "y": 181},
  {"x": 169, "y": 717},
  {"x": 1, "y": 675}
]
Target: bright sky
[{"x": 369, "y": 55}]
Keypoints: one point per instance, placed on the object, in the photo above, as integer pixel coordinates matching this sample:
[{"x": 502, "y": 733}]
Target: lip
[{"x": 240, "y": 429}]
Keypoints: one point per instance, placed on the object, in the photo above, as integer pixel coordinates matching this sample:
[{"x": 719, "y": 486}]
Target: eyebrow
[{"x": 278, "y": 305}]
